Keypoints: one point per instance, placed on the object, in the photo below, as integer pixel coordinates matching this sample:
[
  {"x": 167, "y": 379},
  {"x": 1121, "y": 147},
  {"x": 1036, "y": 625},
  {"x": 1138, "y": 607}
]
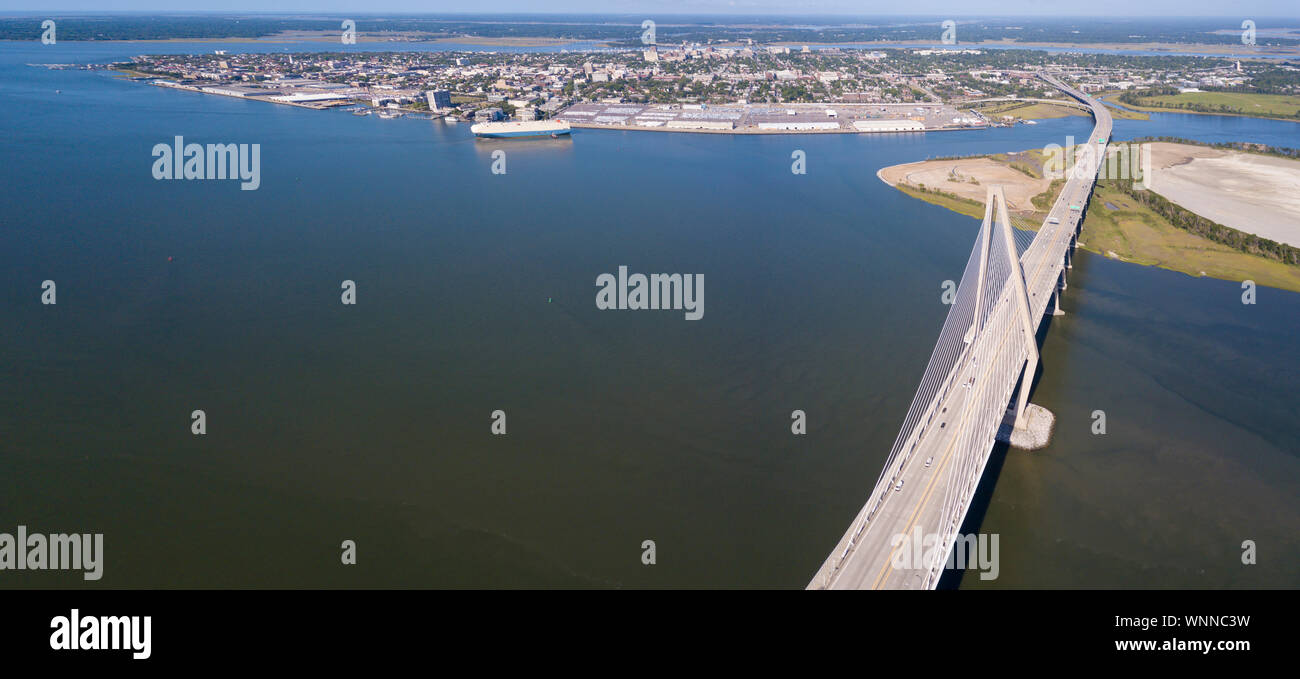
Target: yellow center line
[
  {"x": 929, "y": 488},
  {"x": 943, "y": 463}
]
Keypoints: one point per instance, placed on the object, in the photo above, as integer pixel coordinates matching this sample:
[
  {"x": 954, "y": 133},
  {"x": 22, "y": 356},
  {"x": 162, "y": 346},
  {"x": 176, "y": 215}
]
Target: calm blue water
[
  {"x": 475, "y": 293},
  {"x": 1213, "y": 129},
  {"x": 79, "y": 52}
]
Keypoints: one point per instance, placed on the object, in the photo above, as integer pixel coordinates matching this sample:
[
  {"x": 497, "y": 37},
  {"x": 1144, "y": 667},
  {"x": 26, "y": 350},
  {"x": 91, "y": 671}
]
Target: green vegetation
[
  {"x": 132, "y": 73},
  {"x": 1025, "y": 110},
  {"x": 1116, "y": 111},
  {"x": 1145, "y": 228},
  {"x": 1044, "y": 200},
  {"x": 1286, "y": 107},
  {"x": 1247, "y": 147},
  {"x": 1136, "y": 232},
  {"x": 1194, "y": 223},
  {"x": 965, "y": 206},
  {"x": 1030, "y": 163},
  {"x": 1029, "y": 171}
]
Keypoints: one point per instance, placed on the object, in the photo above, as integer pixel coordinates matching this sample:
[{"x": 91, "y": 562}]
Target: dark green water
[{"x": 372, "y": 422}]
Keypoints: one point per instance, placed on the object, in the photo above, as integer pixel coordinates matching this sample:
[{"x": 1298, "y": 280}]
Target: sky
[{"x": 1100, "y": 8}]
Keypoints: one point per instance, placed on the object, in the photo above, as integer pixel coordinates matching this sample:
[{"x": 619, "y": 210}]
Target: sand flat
[
  {"x": 953, "y": 176},
  {"x": 1246, "y": 191}
]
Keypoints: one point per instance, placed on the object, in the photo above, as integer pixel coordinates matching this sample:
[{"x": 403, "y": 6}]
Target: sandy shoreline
[{"x": 968, "y": 178}]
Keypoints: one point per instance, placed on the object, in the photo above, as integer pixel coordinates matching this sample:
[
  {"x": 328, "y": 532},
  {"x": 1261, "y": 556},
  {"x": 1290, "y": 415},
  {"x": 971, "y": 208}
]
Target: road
[{"x": 931, "y": 486}]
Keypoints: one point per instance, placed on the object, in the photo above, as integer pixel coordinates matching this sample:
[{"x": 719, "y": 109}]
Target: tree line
[
  {"x": 1141, "y": 97},
  {"x": 1248, "y": 147},
  {"x": 1194, "y": 223}
]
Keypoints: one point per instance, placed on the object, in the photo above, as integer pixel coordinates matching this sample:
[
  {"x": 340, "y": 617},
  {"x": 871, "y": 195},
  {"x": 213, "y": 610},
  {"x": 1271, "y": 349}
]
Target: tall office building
[{"x": 439, "y": 100}]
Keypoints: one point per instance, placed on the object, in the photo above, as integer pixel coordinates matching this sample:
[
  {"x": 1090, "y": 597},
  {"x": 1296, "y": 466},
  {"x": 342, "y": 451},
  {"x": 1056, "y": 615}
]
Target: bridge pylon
[{"x": 995, "y": 211}]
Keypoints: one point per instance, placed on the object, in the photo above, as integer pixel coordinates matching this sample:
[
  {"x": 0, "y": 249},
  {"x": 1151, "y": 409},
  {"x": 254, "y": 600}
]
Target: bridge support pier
[
  {"x": 1035, "y": 434},
  {"x": 1027, "y": 381},
  {"x": 1056, "y": 304}
]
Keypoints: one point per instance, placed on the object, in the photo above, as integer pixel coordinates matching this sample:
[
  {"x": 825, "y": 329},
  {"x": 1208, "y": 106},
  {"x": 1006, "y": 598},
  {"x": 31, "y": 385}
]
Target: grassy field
[
  {"x": 1031, "y": 162},
  {"x": 1023, "y": 110},
  {"x": 129, "y": 73},
  {"x": 1119, "y": 113},
  {"x": 1044, "y": 200},
  {"x": 1237, "y": 103},
  {"x": 962, "y": 206},
  {"x": 1134, "y": 233}
]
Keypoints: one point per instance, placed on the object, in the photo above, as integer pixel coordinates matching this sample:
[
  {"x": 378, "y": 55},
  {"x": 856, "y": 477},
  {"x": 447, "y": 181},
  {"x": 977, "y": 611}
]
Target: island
[{"x": 1225, "y": 212}]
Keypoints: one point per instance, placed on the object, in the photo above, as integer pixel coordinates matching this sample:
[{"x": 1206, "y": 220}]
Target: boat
[{"x": 526, "y": 128}]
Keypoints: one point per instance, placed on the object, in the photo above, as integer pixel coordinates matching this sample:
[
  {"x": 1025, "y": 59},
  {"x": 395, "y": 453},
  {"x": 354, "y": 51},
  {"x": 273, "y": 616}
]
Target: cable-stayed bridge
[{"x": 980, "y": 372}]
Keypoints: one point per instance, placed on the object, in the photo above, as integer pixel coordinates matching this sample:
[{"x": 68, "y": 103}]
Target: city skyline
[
  {"x": 333, "y": 299},
  {"x": 1172, "y": 9}
]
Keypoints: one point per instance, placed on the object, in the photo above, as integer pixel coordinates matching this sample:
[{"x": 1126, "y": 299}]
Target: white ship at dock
[{"x": 526, "y": 128}]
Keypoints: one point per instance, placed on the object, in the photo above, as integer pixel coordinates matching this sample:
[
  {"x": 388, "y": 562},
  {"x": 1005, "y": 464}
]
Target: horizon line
[{"x": 716, "y": 13}]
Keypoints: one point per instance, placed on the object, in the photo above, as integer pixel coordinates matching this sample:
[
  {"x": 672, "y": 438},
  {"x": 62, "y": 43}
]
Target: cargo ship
[{"x": 527, "y": 128}]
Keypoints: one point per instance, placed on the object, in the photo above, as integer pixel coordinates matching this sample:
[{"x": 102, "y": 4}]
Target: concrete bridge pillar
[
  {"x": 1063, "y": 284},
  {"x": 1022, "y": 399}
]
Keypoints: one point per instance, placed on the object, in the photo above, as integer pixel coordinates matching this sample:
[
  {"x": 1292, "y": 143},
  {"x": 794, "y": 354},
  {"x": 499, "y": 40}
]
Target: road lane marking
[
  {"x": 1033, "y": 279},
  {"x": 943, "y": 463}
]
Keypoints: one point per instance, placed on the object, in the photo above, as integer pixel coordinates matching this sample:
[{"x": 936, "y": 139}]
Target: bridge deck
[{"x": 942, "y": 456}]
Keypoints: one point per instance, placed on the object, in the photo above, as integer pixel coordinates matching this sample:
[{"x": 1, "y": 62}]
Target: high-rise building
[{"x": 439, "y": 100}]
